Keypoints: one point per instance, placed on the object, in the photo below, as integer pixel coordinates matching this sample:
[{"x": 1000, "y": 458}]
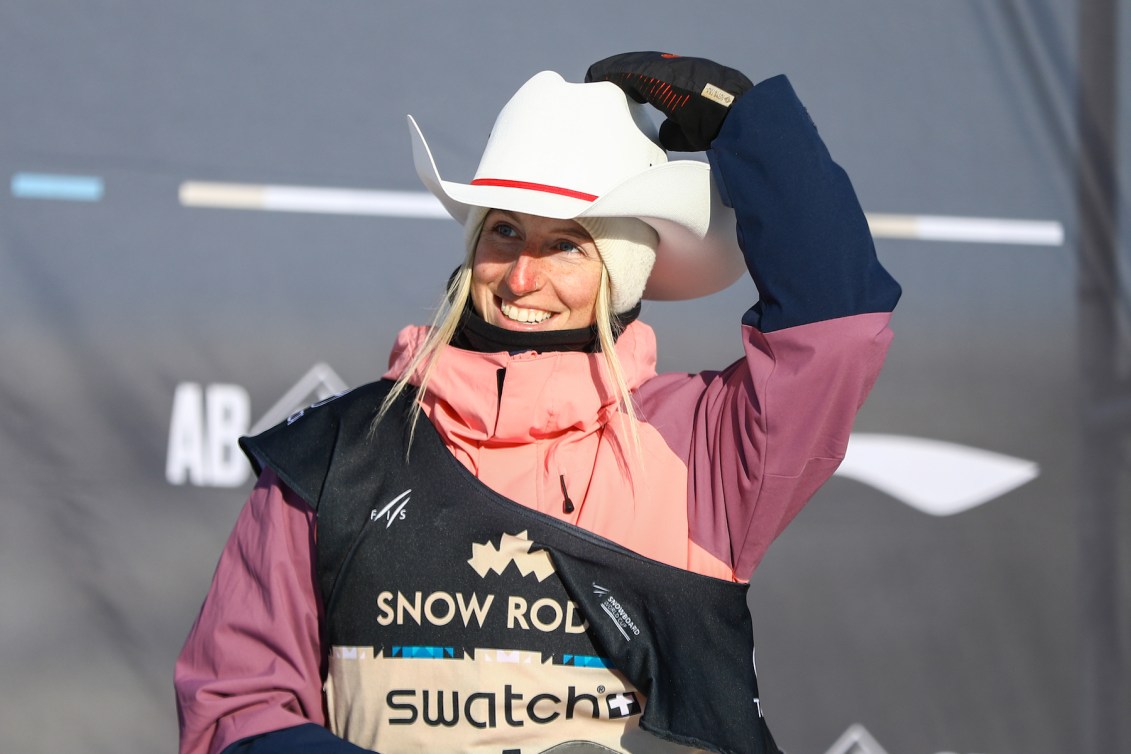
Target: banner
[{"x": 209, "y": 219}]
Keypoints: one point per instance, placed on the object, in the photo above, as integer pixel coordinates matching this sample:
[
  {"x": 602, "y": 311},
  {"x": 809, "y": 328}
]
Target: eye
[
  {"x": 567, "y": 246},
  {"x": 505, "y": 229}
]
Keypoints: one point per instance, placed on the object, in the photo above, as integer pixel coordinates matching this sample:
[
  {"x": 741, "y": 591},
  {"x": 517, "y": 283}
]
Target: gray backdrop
[{"x": 141, "y": 330}]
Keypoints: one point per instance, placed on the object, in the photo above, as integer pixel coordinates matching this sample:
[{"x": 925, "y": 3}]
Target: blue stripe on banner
[
  {"x": 424, "y": 653},
  {"x": 74, "y": 188},
  {"x": 585, "y": 661}
]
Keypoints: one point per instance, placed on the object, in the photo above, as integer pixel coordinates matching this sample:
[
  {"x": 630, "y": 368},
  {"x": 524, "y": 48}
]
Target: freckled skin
[{"x": 540, "y": 265}]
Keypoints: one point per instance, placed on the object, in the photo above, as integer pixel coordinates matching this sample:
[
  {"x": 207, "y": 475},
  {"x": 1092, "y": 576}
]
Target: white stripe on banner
[
  {"x": 310, "y": 199},
  {"x": 967, "y": 229},
  {"x": 420, "y": 204}
]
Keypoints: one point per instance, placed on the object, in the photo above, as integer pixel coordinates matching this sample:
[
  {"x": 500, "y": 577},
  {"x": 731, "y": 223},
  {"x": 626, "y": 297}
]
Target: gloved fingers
[
  {"x": 659, "y": 77},
  {"x": 673, "y": 139},
  {"x": 694, "y": 93},
  {"x": 646, "y": 77},
  {"x": 630, "y": 83}
]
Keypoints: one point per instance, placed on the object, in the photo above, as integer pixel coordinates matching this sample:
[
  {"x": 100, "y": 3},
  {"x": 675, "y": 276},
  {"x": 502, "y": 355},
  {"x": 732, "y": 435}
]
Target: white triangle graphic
[
  {"x": 319, "y": 382},
  {"x": 932, "y": 476},
  {"x": 856, "y": 740}
]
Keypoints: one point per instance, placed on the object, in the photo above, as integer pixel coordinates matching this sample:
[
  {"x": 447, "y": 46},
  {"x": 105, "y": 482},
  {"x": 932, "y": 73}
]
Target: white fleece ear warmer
[{"x": 628, "y": 248}]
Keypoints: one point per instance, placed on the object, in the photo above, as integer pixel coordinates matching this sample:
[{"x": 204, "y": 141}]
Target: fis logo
[{"x": 394, "y": 510}]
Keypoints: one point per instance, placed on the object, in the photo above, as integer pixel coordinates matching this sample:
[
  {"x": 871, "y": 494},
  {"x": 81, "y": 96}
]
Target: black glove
[{"x": 695, "y": 93}]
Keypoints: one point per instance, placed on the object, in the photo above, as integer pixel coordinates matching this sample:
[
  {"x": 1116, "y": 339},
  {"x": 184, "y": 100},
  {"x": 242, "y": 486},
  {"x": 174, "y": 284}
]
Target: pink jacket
[{"x": 732, "y": 456}]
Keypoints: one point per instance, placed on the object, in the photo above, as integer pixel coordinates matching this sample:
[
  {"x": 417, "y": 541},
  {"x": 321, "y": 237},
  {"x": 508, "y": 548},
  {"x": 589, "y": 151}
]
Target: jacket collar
[
  {"x": 542, "y": 394},
  {"x": 475, "y": 334}
]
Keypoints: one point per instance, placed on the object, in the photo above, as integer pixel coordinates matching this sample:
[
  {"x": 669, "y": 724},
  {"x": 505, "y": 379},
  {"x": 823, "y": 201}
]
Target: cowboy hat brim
[{"x": 698, "y": 250}]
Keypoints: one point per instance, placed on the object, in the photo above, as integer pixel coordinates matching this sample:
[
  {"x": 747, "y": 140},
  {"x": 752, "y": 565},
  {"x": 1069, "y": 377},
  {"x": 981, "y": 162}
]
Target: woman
[{"x": 417, "y": 569}]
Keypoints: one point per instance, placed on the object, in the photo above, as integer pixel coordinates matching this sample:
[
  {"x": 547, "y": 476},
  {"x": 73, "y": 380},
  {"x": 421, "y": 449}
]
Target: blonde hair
[{"x": 446, "y": 321}]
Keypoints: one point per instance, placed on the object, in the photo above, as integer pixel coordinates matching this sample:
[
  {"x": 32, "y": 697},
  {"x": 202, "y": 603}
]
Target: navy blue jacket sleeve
[
  {"x": 301, "y": 739},
  {"x": 805, "y": 239}
]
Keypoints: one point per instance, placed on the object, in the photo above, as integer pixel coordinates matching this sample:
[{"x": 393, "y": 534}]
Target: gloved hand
[{"x": 694, "y": 93}]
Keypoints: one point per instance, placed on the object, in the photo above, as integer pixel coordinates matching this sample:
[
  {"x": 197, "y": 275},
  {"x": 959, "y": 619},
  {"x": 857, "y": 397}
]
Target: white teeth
[{"x": 526, "y": 316}]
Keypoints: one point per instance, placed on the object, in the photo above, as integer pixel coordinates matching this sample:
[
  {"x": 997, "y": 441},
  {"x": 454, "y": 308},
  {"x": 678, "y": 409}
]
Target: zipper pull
[{"x": 567, "y": 504}]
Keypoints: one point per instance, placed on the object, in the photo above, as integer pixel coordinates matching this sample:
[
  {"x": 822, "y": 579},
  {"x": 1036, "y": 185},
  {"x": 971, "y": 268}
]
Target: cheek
[
  {"x": 488, "y": 265},
  {"x": 484, "y": 271},
  {"x": 480, "y": 290},
  {"x": 579, "y": 291}
]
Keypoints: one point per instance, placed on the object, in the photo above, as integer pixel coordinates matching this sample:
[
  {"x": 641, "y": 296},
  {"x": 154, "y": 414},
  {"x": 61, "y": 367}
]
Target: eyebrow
[{"x": 574, "y": 231}]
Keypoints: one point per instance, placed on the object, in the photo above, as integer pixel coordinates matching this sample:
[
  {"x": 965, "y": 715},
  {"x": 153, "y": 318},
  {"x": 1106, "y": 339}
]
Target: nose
[{"x": 526, "y": 273}]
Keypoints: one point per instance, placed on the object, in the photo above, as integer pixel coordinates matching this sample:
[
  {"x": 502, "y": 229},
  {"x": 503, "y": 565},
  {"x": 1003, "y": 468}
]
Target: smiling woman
[
  {"x": 522, "y": 538},
  {"x": 535, "y": 273}
]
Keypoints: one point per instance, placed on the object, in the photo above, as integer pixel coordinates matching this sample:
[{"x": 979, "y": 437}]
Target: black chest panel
[{"x": 416, "y": 556}]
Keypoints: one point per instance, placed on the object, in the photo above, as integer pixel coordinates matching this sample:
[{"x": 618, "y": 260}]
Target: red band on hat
[{"x": 534, "y": 187}]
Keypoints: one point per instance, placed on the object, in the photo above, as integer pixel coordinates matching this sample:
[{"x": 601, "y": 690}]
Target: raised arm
[{"x": 760, "y": 437}]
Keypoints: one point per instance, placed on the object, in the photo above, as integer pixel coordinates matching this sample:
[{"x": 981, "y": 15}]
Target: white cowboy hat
[{"x": 571, "y": 151}]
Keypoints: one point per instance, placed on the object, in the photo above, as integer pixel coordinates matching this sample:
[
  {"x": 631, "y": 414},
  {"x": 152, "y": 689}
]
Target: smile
[{"x": 525, "y": 316}]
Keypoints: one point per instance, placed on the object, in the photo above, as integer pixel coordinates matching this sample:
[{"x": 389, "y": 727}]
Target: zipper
[{"x": 567, "y": 504}]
